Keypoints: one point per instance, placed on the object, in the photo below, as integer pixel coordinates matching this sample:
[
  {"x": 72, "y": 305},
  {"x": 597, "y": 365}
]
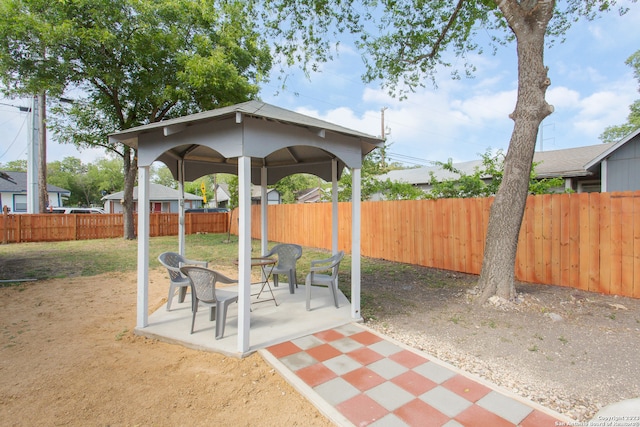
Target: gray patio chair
[
  {"x": 172, "y": 262},
  {"x": 203, "y": 291},
  {"x": 288, "y": 254},
  {"x": 331, "y": 265}
]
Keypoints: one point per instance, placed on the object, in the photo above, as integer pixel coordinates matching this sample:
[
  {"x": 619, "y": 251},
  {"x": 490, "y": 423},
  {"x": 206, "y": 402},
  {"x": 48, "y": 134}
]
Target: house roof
[
  {"x": 256, "y": 191},
  {"x": 157, "y": 192},
  {"x": 20, "y": 184},
  {"x": 569, "y": 162},
  {"x": 610, "y": 149},
  {"x": 422, "y": 175}
]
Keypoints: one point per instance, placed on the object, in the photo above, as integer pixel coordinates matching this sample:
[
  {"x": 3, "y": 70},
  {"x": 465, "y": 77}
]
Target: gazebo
[{"x": 262, "y": 144}]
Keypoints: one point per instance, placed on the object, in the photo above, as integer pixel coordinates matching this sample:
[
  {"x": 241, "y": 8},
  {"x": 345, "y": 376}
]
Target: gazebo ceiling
[{"x": 283, "y": 141}]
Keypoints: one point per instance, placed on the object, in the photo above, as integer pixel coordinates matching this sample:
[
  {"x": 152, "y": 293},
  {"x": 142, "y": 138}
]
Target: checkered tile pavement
[{"x": 372, "y": 381}]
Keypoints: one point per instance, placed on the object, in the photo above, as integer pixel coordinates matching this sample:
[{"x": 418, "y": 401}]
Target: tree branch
[{"x": 441, "y": 37}]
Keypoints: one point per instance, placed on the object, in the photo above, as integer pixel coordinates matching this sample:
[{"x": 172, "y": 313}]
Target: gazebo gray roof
[
  {"x": 281, "y": 140},
  {"x": 261, "y": 143}
]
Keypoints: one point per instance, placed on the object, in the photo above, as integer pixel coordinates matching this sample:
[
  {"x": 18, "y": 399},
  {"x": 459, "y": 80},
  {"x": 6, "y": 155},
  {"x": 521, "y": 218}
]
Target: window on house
[{"x": 20, "y": 203}]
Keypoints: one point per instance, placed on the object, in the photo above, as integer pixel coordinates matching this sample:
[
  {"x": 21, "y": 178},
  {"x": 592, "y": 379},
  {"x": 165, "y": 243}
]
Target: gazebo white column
[
  {"x": 181, "y": 228},
  {"x": 355, "y": 244},
  {"x": 244, "y": 253},
  {"x": 334, "y": 206},
  {"x": 264, "y": 204},
  {"x": 143, "y": 247}
]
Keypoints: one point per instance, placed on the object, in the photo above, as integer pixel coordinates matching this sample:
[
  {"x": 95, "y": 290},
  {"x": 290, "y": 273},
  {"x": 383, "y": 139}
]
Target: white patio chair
[
  {"x": 332, "y": 265},
  {"x": 288, "y": 254},
  {"x": 203, "y": 291},
  {"x": 172, "y": 262}
]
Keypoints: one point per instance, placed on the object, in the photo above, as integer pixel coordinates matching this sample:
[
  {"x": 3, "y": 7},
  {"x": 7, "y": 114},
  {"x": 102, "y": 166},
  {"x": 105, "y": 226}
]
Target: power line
[{"x": 14, "y": 139}]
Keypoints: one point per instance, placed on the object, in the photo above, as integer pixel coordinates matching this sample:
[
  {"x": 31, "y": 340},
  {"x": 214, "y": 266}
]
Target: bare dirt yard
[{"x": 68, "y": 356}]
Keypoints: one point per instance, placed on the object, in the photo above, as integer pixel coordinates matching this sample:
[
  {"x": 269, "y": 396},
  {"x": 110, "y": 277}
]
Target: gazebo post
[
  {"x": 264, "y": 203},
  {"x": 334, "y": 206},
  {"x": 143, "y": 247},
  {"x": 355, "y": 243},
  {"x": 244, "y": 252},
  {"x": 181, "y": 219}
]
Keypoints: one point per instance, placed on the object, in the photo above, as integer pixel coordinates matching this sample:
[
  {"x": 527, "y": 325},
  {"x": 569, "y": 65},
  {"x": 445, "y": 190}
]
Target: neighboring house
[
  {"x": 619, "y": 165},
  {"x": 310, "y": 195},
  {"x": 223, "y": 196},
  {"x": 273, "y": 196},
  {"x": 13, "y": 192},
  {"x": 161, "y": 198},
  {"x": 592, "y": 168}
]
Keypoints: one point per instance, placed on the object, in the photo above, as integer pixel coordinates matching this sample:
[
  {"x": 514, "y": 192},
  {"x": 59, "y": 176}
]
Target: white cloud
[{"x": 563, "y": 98}]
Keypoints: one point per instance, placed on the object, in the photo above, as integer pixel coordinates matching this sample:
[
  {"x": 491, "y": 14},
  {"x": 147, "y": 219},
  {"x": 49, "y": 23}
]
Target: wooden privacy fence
[
  {"x": 589, "y": 241},
  {"x": 17, "y": 228}
]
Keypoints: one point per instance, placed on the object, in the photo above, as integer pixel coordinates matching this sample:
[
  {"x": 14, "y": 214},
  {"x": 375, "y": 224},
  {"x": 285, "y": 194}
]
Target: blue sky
[{"x": 591, "y": 88}]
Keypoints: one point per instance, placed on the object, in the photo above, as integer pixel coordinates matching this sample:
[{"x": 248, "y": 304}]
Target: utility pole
[
  {"x": 32, "y": 160},
  {"x": 42, "y": 149},
  {"x": 384, "y": 139}
]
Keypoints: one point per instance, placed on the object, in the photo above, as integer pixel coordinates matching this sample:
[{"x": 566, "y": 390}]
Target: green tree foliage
[
  {"x": 485, "y": 180},
  {"x": 160, "y": 174},
  {"x": 616, "y": 133},
  {"x": 86, "y": 182},
  {"x": 290, "y": 185},
  {"x": 137, "y": 61},
  {"x": 14, "y": 166}
]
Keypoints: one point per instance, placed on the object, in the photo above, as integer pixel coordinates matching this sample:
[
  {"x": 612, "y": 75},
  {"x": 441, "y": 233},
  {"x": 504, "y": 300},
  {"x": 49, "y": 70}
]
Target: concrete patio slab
[{"x": 270, "y": 324}]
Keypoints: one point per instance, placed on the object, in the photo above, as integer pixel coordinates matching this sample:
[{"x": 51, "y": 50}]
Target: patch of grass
[
  {"x": 48, "y": 260},
  {"x": 455, "y": 319},
  {"x": 612, "y": 316},
  {"x": 121, "y": 334},
  {"x": 11, "y": 284},
  {"x": 533, "y": 348},
  {"x": 538, "y": 336},
  {"x": 492, "y": 324},
  {"x": 563, "y": 340}
]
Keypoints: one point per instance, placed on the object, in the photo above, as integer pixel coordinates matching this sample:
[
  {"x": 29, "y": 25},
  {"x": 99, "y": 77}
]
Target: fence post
[{"x": 5, "y": 231}]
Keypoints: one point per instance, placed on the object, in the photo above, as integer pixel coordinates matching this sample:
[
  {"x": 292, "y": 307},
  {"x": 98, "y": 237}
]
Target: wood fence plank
[
  {"x": 636, "y": 245},
  {"x": 605, "y": 243},
  {"x": 574, "y": 241},
  {"x": 585, "y": 235},
  {"x": 556, "y": 221},
  {"x": 594, "y": 242},
  {"x": 616, "y": 247},
  {"x": 547, "y": 239},
  {"x": 626, "y": 245}
]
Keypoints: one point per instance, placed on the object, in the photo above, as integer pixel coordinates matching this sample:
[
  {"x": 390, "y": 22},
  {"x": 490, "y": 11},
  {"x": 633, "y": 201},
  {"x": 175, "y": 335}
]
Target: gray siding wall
[{"x": 623, "y": 168}]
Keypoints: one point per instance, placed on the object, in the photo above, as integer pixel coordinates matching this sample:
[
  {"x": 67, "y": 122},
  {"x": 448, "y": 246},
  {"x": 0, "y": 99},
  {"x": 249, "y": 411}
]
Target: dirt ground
[
  {"x": 68, "y": 356},
  {"x": 570, "y": 350}
]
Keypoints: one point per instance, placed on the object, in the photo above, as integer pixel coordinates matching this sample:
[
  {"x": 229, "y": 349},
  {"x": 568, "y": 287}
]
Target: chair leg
[
  {"x": 193, "y": 319},
  {"x": 221, "y": 317},
  {"x": 307, "y": 289},
  {"x": 334, "y": 292},
  {"x": 292, "y": 282},
  {"x": 182, "y": 292},
  {"x": 172, "y": 291}
]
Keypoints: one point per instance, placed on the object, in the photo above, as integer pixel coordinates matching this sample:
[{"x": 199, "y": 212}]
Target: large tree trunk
[
  {"x": 528, "y": 22},
  {"x": 130, "y": 170}
]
